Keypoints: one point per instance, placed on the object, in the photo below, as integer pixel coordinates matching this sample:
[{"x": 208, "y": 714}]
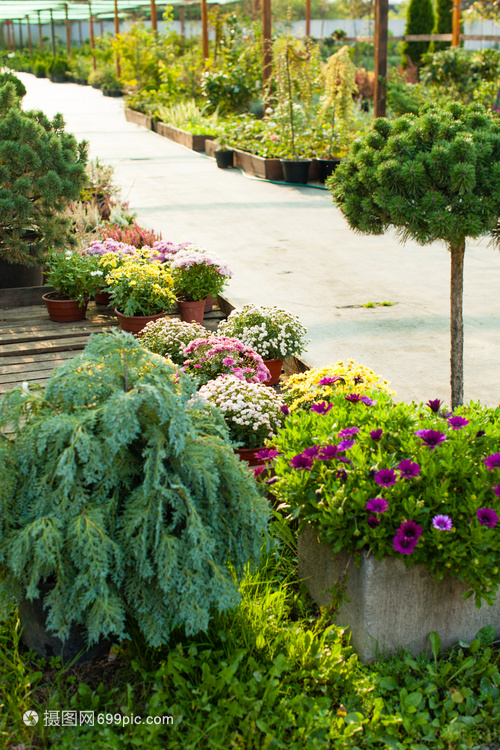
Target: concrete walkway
[{"x": 290, "y": 247}]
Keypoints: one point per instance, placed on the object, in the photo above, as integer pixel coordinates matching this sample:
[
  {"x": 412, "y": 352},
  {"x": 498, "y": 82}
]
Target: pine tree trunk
[{"x": 457, "y": 324}]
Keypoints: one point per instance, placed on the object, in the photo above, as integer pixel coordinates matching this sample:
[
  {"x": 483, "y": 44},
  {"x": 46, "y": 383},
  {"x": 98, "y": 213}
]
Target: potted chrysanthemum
[
  {"x": 411, "y": 492},
  {"x": 272, "y": 332},
  {"x": 252, "y": 412},
  {"x": 75, "y": 277},
  {"x": 170, "y": 336},
  {"x": 208, "y": 357},
  {"x": 197, "y": 275}
]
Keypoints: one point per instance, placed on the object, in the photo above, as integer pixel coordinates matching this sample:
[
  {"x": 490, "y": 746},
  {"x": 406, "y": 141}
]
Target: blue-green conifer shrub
[{"x": 124, "y": 491}]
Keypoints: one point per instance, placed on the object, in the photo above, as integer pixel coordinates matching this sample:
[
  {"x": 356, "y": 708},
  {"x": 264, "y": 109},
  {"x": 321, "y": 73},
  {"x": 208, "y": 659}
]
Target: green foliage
[
  {"x": 419, "y": 20},
  {"x": 41, "y": 168},
  {"x": 271, "y": 332},
  {"x": 452, "y": 479},
  {"x": 127, "y": 495},
  {"x": 460, "y": 72},
  {"x": 139, "y": 287},
  {"x": 170, "y": 336},
  {"x": 443, "y": 24},
  {"x": 7, "y": 77},
  {"x": 73, "y": 275},
  {"x": 432, "y": 177},
  {"x": 337, "y": 104}
]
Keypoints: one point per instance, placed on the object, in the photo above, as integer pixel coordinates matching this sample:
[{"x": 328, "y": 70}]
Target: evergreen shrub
[{"x": 126, "y": 492}]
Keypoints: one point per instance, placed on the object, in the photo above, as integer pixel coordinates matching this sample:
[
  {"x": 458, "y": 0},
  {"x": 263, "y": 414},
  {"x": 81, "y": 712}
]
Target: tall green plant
[
  {"x": 125, "y": 492},
  {"x": 337, "y": 104},
  {"x": 42, "y": 167},
  {"x": 419, "y": 20},
  {"x": 433, "y": 177}
]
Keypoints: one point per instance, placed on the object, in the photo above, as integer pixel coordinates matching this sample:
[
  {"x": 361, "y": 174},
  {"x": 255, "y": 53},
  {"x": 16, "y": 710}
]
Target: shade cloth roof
[{"x": 16, "y": 10}]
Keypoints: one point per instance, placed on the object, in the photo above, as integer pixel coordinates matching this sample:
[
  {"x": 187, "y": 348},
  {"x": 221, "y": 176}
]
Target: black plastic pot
[
  {"x": 224, "y": 158},
  {"x": 296, "y": 170},
  {"x": 112, "y": 92},
  {"x": 326, "y": 167},
  {"x": 36, "y": 636}
]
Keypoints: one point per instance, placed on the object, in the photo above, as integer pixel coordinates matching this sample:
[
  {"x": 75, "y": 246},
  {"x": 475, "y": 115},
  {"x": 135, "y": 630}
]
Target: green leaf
[{"x": 435, "y": 643}]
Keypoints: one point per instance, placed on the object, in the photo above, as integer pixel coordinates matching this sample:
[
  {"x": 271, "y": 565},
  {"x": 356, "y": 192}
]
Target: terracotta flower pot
[
  {"x": 209, "y": 303},
  {"x": 274, "y": 366},
  {"x": 102, "y": 298},
  {"x": 248, "y": 455},
  {"x": 64, "y": 310},
  {"x": 192, "y": 310},
  {"x": 135, "y": 323}
]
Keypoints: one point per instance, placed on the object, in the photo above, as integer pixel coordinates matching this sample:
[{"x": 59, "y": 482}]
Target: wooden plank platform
[{"x": 32, "y": 345}]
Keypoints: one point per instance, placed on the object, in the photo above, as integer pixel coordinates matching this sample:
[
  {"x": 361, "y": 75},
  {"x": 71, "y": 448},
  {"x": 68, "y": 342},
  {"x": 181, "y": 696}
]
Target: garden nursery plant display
[
  {"x": 116, "y": 489},
  {"x": 208, "y": 357}
]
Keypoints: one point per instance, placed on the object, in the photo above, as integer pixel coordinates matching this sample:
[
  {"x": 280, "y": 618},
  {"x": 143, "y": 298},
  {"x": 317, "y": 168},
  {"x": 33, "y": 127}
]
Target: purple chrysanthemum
[
  {"x": 377, "y": 505},
  {"x": 353, "y": 398},
  {"x": 301, "y": 462},
  {"x": 492, "y": 462},
  {"x": 266, "y": 454},
  {"x": 404, "y": 545},
  {"x": 329, "y": 381},
  {"x": 457, "y": 422},
  {"x": 496, "y": 490},
  {"x": 344, "y": 445},
  {"x": 432, "y": 438},
  {"x": 348, "y": 432},
  {"x": 408, "y": 468},
  {"x": 434, "y": 405},
  {"x": 376, "y": 435},
  {"x": 311, "y": 452},
  {"x": 410, "y": 530},
  {"x": 386, "y": 477},
  {"x": 487, "y": 517},
  {"x": 327, "y": 452},
  {"x": 442, "y": 522},
  {"x": 322, "y": 407},
  {"x": 368, "y": 401},
  {"x": 373, "y": 521}
]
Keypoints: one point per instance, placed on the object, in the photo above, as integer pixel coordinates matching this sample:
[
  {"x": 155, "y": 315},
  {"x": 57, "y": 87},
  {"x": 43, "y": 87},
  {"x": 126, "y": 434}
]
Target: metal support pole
[
  {"x": 52, "y": 33},
  {"x": 68, "y": 32},
  {"x": 40, "y": 36},
  {"x": 92, "y": 40},
  {"x": 21, "y": 46},
  {"x": 30, "y": 43},
  {"x": 117, "y": 31},
  {"x": 9, "y": 43},
  {"x": 381, "y": 34},
  {"x": 204, "y": 29}
]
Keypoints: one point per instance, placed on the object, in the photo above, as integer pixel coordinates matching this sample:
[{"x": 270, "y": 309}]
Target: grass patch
[{"x": 273, "y": 673}]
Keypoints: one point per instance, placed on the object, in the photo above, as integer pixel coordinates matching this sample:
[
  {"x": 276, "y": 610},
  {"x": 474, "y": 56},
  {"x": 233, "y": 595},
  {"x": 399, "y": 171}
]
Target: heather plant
[
  {"x": 117, "y": 487},
  {"x": 211, "y": 356},
  {"x": 132, "y": 234},
  {"x": 252, "y": 411},
  {"x": 42, "y": 167},
  {"x": 413, "y": 481},
  {"x": 303, "y": 389},
  {"x": 170, "y": 336},
  {"x": 271, "y": 332},
  {"x": 433, "y": 177}
]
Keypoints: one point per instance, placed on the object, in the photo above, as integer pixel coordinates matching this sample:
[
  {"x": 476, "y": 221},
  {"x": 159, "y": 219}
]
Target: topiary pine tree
[
  {"x": 433, "y": 177},
  {"x": 123, "y": 491},
  {"x": 419, "y": 20},
  {"x": 41, "y": 168}
]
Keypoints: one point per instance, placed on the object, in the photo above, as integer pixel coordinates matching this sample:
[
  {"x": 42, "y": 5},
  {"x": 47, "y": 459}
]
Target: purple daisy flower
[
  {"x": 442, "y": 522},
  {"x": 377, "y": 505},
  {"x": 408, "y": 468},
  {"x": 341, "y": 475},
  {"x": 404, "y": 545},
  {"x": 357, "y": 379},
  {"x": 353, "y": 398},
  {"x": 301, "y": 462},
  {"x": 327, "y": 452},
  {"x": 329, "y": 381},
  {"x": 487, "y": 517},
  {"x": 480, "y": 433},
  {"x": 386, "y": 477},
  {"x": 259, "y": 470},
  {"x": 410, "y": 530},
  {"x": 492, "y": 462},
  {"x": 376, "y": 435},
  {"x": 457, "y": 422},
  {"x": 344, "y": 445},
  {"x": 267, "y": 454},
  {"x": 322, "y": 407},
  {"x": 311, "y": 452},
  {"x": 496, "y": 490},
  {"x": 368, "y": 401},
  {"x": 373, "y": 521},
  {"x": 432, "y": 438},
  {"x": 349, "y": 432},
  {"x": 434, "y": 405},
  {"x": 273, "y": 480},
  {"x": 284, "y": 410}
]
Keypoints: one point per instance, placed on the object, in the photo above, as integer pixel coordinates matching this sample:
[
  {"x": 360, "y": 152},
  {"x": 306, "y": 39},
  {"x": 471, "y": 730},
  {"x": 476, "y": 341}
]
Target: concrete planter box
[
  {"x": 194, "y": 142},
  {"x": 145, "y": 120},
  {"x": 391, "y": 606}
]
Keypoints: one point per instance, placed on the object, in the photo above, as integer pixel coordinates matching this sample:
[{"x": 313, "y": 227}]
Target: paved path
[{"x": 288, "y": 246}]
